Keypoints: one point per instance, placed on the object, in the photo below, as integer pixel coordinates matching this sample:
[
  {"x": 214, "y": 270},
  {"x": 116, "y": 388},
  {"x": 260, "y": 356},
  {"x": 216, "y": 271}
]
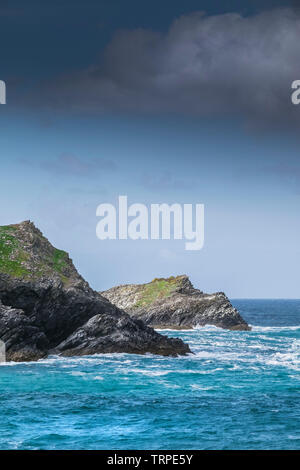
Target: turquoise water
[{"x": 239, "y": 391}]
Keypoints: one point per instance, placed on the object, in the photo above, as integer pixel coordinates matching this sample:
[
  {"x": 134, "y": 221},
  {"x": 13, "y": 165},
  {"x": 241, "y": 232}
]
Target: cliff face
[
  {"x": 46, "y": 306},
  {"x": 175, "y": 303}
]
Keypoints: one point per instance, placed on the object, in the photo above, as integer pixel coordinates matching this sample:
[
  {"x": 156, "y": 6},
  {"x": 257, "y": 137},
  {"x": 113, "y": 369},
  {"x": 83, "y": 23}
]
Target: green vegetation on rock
[
  {"x": 26, "y": 253},
  {"x": 12, "y": 256},
  {"x": 159, "y": 288},
  {"x": 59, "y": 260}
]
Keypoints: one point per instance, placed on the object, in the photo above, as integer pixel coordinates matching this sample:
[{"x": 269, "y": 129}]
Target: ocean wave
[
  {"x": 201, "y": 387},
  {"x": 289, "y": 359},
  {"x": 128, "y": 400},
  {"x": 75, "y": 360},
  {"x": 275, "y": 328},
  {"x": 174, "y": 330},
  {"x": 209, "y": 328}
]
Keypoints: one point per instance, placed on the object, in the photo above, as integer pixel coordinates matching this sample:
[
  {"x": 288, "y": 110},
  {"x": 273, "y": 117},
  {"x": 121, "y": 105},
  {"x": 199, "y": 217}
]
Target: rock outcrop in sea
[
  {"x": 47, "y": 307},
  {"x": 175, "y": 303}
]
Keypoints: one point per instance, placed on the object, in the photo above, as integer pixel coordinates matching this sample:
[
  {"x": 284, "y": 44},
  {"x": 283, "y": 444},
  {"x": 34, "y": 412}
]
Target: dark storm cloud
[
  {"x": 10, "y": 12},
  {"x": 204, "y": 65}
]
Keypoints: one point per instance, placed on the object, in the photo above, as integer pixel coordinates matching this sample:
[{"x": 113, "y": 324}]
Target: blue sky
[
  {"x": 60, "y": 157},
  {"x": 252, "y": 224}
]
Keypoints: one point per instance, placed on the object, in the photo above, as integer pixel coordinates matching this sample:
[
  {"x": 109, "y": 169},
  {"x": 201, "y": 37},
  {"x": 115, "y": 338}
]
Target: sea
[{"x": 239, "y": 390}]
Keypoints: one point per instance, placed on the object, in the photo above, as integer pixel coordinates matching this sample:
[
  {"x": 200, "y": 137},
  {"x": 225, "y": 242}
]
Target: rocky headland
[
  {"x": 47, "y": 307},
  {"x": 174, "y": 303}
]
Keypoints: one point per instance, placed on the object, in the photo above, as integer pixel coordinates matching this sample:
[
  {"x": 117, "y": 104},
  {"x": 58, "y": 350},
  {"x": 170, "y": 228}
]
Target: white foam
[
  {"x": 209, "y": 328},
  {"x": 78, "y": 374},
  {"x": 175, "y": 330},
  {"x": 275, "y": 328},
  {"x": 150, "y": 373},
  {"x": 201, "y": 387}
]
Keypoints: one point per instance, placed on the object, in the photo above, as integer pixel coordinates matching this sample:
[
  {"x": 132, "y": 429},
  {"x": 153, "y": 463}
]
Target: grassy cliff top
[
  {"x": 26, "y": 253},
  {"x": 159, "y": 288},
  {"x": 138, "y": 296}
]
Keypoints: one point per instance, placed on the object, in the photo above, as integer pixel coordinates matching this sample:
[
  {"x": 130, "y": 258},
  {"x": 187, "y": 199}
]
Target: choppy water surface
[{"x": 240, "y": 390}]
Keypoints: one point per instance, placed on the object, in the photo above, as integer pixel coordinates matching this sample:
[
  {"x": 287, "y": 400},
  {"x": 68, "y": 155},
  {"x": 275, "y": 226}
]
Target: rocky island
[
  {"x": 47, "y": 307},
  {"x": 174, "y": 303}
]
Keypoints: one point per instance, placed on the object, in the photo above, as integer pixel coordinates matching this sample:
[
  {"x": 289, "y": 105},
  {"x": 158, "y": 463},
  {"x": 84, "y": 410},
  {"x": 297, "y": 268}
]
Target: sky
[{"x": 165, "y": 102}]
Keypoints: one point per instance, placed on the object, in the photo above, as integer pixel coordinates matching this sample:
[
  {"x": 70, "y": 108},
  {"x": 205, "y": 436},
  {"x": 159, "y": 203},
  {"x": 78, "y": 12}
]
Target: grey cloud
[
  {"x": 68, "y": 163},
  {"x": 284, "y": 174},
  {"x": 163, "y": 181},
  {"x": 204, "y": 65},
  {"x": 289, "y": 172},
  {"x": 73, "y": 165}
]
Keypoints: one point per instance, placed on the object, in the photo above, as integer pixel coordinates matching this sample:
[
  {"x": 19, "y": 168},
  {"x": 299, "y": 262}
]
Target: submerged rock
[
  {"x": 175, "y": 303},
  {"x": 46, "y": 306}
]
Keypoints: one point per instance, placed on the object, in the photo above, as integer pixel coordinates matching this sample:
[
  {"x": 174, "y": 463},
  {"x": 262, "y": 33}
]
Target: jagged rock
[
  {"x": 118, "y": 334},
  {"x": 45, "y": 305},
  {"x": 175, "y": 303},
  {"x": 23, "y": 340}
]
